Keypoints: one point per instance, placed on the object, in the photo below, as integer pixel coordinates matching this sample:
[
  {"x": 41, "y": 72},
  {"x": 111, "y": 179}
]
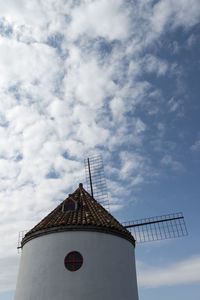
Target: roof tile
[{"x": 89, "y": 214}]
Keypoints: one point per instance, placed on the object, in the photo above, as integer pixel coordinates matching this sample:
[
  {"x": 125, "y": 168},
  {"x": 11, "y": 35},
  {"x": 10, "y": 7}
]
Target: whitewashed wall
[{"x": 108, "y": 271}]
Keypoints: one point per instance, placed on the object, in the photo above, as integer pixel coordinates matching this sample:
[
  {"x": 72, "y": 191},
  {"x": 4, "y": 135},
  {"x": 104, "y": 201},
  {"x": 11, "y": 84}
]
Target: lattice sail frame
[
  {"x": 157, "y": 228},
  {"x": 21, "y": 235},
  {"x": 95, "y": 179}
]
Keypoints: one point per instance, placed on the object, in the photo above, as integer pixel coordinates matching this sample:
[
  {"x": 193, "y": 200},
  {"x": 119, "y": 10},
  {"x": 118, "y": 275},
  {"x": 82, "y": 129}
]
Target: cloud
[
  {"x": 174, "y": 13},
  {"x": 196, "y": 146},
  {"x": 170, "y": 162},
  {"x": 161, "y": 129},
  {"x": 7, "y": 278},
  {"x": 78, "y": 81},
  {"x": 117, "y": 108},
  {"x": 185, "y": 272},
  {"x": 153, "y": 64},
  {"x": 71, "y": 84},
  {"x": 174, "y": 105},
  {"x": 134, "y": 167},
  {"x": 192, "y": 40},
  {"x": 103, "y": 18}
]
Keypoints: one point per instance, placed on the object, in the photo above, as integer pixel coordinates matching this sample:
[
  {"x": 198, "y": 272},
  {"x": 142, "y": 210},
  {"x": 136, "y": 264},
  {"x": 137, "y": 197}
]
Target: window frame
[
  {"x": 75, "y": 259},
  {"x": 65, "y": 205}
]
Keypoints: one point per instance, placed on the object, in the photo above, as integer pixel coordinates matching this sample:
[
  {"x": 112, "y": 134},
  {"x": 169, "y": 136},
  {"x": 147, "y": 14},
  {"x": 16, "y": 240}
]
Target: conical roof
[{"x": 89, "y": 215}]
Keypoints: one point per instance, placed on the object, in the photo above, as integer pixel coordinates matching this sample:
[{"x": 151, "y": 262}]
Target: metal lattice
[
  {"x": 21, "y": 235},
  {"x": 157, "y": 228},
  {"x": 95, "y": 179}
]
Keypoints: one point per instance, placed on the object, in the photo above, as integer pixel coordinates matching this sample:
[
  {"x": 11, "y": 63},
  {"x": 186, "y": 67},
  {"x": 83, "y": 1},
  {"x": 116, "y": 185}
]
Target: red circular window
[{"x": 73, "y": 261}]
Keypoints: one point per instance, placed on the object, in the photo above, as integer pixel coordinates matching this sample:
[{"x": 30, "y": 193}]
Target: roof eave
[{"x": 90, "y": 228}]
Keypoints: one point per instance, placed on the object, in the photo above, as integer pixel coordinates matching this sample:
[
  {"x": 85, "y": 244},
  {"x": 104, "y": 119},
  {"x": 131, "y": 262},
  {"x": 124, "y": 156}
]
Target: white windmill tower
[{"x": 78, "y": 252}]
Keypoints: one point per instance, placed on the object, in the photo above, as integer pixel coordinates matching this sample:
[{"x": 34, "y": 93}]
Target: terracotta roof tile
[{"x": 88, "y": 215}]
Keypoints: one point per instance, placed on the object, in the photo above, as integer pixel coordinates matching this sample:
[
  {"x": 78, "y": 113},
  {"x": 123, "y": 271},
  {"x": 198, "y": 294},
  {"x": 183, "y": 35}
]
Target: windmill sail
[
  {"x": 157, "y": 228},
  {"x": 21, "y": 235},
  {"x": 95, "y": 179}
]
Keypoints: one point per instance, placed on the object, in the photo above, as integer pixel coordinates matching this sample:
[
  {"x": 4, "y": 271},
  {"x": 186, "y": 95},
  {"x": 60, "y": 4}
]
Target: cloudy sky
[{"x": 119, "y": 78}]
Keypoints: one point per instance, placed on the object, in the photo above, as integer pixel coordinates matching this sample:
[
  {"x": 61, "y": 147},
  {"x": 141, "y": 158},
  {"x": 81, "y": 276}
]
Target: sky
[{"x": 118, "y": 78}]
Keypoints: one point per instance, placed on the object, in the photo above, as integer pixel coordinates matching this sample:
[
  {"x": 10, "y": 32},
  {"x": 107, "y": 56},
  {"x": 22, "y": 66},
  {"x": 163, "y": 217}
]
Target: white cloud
[
  {"x": 140, "y": 126},
  {"x": 161, "y": 129},
  {"x": 174, "y": 104},
  {"x": 7, "y": 278},
  {"x": 196, "y": 146},
  {"x": 175, "y": 13},
  {"x": 185, "y": 272},
  {"x": 103, "y": 18},
  {"x": 134, "y": 168},
  {"x": 90, "y": 83},
  {"x": 70, "y": 84},
  {"x": 154, "y": 64},
  {"x": 20, "y": 62},
  {"x": 192, "y": 40},
  {"x": 170, "y": 162},
  {"x": 92, "y": 135},
  {"x": 118, "y": 108}
]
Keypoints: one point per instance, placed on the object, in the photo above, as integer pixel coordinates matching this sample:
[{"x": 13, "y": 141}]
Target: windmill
[
  {"x": 80, "y": 251},
  {"x": 144, "y": 230}
]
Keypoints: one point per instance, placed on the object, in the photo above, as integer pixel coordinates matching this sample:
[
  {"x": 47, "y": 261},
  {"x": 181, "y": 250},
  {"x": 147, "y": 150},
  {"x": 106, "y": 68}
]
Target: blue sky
[{"x": 119, "y": 78}]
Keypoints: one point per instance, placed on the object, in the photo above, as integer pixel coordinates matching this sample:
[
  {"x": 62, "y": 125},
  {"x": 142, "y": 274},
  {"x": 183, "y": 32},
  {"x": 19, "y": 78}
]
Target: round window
[{"x": 73, "y": 261}]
